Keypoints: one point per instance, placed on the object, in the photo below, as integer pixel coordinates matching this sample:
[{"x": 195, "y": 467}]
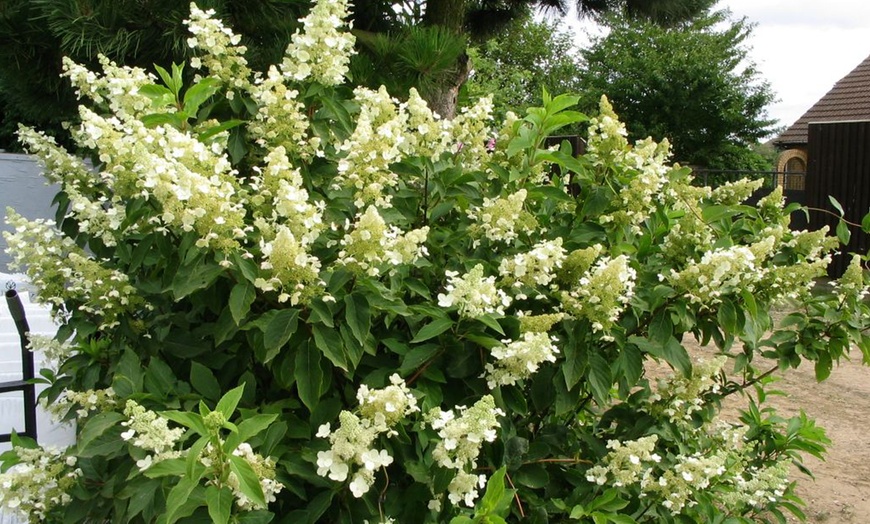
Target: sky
[{"x": 802, "y": 47}]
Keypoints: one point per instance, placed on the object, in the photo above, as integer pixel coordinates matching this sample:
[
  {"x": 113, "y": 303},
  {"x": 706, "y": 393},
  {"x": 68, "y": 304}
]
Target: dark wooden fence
[{"x": 839, "y": 165}]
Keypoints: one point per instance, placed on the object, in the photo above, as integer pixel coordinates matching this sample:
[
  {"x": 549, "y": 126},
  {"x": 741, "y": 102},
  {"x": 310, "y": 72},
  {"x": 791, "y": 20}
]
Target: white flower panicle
[
  {"x": 678, "y": 397},
  {"x": 537, "y": 267},
  {"x": 474, "y": 294},
  {"x": 733, "y": 193},
  {"x": 151, "y": 432},
  {"x": 194, "y": 182},
  {"x": 642, "y": 195},
  {"x": 323, "y": 49},
  {"x": 851, "y": 286},
  {"x": 84, "y": 402},
  {"x": 519, "y": 359},
  {"x": 691, "y": 474},
  {"x": 427, "y": 134},
  {"x": 118, "y": 87},
  {"x": 719, "y": 272},
  {"x": 65, "y": 276},
  {"x": 222, "y": 56},
  {"x": 370, "y": 244},
  {"x": 352, "y": 444},
  {"x": 54, "y": 352},
  {"x": 290, "y": 202},
  {"x": 376, "y": 142},
  {"x": 626, "y": 463},
  {"x": 607, "y": 135},
  {"x": 280, "y": 120},
  {"x": 96, "y": 213},
  {"x": 462, "y": 436},
  {"x": 387, "y": 406},
  {"x": 502, "y": 219},
  {"x": 39, "y": 484},
  {"x": 295, "y": 273},
  {"x": 471, "y": 133},
  {"x": 602, "y": 293}
]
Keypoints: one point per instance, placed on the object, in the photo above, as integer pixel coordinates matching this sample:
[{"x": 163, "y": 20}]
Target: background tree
[
  {"x": 522, "y": 60},
  {"x": 692, "y": 83},
  {"x": 422, "y": 45},
  {"x": 35, "y": 35}
]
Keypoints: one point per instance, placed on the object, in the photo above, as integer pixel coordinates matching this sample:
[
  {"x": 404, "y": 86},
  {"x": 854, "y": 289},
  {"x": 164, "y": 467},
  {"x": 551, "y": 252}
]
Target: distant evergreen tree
[{"x": 421, "y": 44}]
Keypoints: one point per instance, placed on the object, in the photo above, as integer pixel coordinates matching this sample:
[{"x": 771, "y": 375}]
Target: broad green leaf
[
  {"x": 309, "y": 375},
  {"x": 358, "y": 316},
  {"x": 432, "y": 329},
  {"x": 843, "y": 233},
  {"x": 249, "y": 483},
  {"x": 203, "y": 380},
  {"x": 329, "y": 342},
  {"x": 177, "y": 497},
  {"x": 227, "y": 404},
  {"x": 823, "y": 366},
  {"x": 248, "y": 428},
  {"x": 187, "y": 419},
  {"x": 220, "y": 503},
  {"x": 490, "y": 322},
  {"x": 159, "y": 378},
  {"x": 174, "y": 467},
  {"x": 96, "y": 426},
  {"x": 494, "y": 492},
  {"x": 728, "y": 317},
  {"x": 418, "y": 356},
  {"x": 278, "y": 331},
  {"x": 534, "y": 476},
  {"x": 193, "y": 278},
  {"x": 160, "y": 96},
  {"x": 241, "y": 298},
  {"x": 837, "y": 205},
  {"x": 600, "y": 377},
  {"x": 107, "y": 444},
  {"x": 198, "y": 93},
  {"x": 661, "y": 327}
]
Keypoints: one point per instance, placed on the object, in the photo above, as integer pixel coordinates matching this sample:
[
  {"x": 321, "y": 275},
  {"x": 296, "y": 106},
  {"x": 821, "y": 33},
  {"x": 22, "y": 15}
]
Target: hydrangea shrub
[{"x": 285, "y": 300}]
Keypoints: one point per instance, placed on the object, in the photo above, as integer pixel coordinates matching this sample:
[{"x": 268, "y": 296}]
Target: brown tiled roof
[{"x": 849, "y": 99}]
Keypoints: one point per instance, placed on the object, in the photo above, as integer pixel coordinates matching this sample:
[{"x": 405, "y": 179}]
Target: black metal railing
[
  {"x": 25, "y": 385},
  {"x": 788, "y": 180}
]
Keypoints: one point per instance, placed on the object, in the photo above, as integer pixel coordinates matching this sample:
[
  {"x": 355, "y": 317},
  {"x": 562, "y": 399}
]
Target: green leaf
[
  {"x": 177, "y": 497},
  {"x": 661, "y": 327},
  {"x": 207, "y": 134},
  {"x": 329, "y": 342},
  {"x": 358, "y": 316},
  {"x": 490, "y": 322},
  {"x": 250, "y": 427},
  {"x": 241, "y": 298},
  {"x": 309, "y": 375},
  {"x": 255, "y": 517},
  {"x": 193, "y": 278},
  {"x": 159, "y": 378},
  {"x": 823, "y": 366},
  {"x": 418, "y": 356},
  {"x": 160, "y": 96},
  {"x": 227, "y": 404},
  {"x": 174, "y": 467},
  {"x": 199, "y": 93},
  {"x": 600, "y": 377},
  {"x": 278, "y": 331},
  {"x": 672, "y": 352},
  {"x": 203, "y": 380},
  {"x": 96, "y": 426},
  {"x": 249, "y": 483},
  {"x": 837, "y": 205},
  {"x": 494, "y": 492},
  {"x": 187, "y": 419},
  {"x": 220, "y": 503},
  {"x": 728, "y": 317},
  {"x": 534, "y": 476},
  {"x": 432, "y": 329},
  {"x": 843, "y": 233}
]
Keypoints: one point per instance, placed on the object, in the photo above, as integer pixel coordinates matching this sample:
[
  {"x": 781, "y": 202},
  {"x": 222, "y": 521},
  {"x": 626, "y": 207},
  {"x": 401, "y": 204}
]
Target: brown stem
[
  {"x": 752, "y": 382},
  {"x": 516, "y": 494},
  {"x": 558, "y": 461},
  {"x": 833, "y": 215}
]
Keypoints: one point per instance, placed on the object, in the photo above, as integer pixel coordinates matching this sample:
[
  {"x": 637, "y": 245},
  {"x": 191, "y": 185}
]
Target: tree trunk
[{"x": 449, "y": 14}]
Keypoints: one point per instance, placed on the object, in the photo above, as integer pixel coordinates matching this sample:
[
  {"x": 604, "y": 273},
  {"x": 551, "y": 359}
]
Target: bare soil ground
[
  {"x": 841, "y": 405},
  {"x": 840, "y": 492}
]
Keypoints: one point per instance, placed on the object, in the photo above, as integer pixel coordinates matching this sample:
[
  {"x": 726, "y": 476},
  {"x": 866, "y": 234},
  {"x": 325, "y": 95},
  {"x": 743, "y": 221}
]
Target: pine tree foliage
[{"x": 36, "y": 34}]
